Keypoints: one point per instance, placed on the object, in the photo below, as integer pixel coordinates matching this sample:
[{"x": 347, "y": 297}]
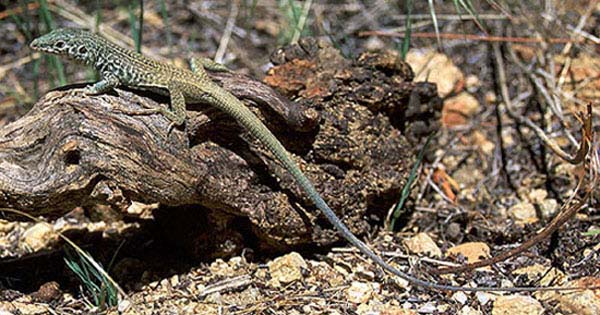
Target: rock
[
  {"x": 472, "y": 83},
  {"x": 427, "y": 308},
  {"x": 549, "y": 207},
  {"x": 6, "y": 226},
  {"x": 480, "y": 140},
  {"x": 585, "y": 302},
  {"x": 483, "y": 298},
  {"x": 517, "y": 305},
  {"x": 423, "y": 244},
  {"x": 286, "y": 269},
  {"x": 523, "y": 213},
  {"x": 467, "y": 310},
  {"x": 537, "y": 195},
  {"x": 359, "y": 292},
  {"x": 437, "y": 68},
  {"x": 458, "y": 109},
  {"x": 472, "y": 251},
  {"x": 39, "y": 236},
  {"x": 460, "y": 297}
]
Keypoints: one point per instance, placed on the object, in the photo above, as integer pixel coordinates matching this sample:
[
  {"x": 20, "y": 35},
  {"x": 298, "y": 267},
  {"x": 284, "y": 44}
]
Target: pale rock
[
  {"x": 39, "y": 236},
  {"x": 549, "y": 207},
  {"x": 483, "y": 298},
  {"x": 472, "y": 251},
  {"x": 490, "y": 97},
  {"x": 427, "y": 308},
  {"x": 374, "y": 43},
  {"x": 287, "y": 268},
  {"x": 467, "y": 310},
  {"x": 517, "y": 305},
  {"x": 538, "y": 195},
  {"x": 6, "y": 226},
  {"x": 434, "y": 67},
  {"x": 472, "y": 83},
  {"x": 523, "y": 213},
  {"x": 124, "y": 305},
  {"x": 486, "y": 146},
  {"x": 460, "y": 297},
  {"x": 458, "y": 109},
  {"x": 423, "y": 244},
  {"x": 359, "y": 292}
]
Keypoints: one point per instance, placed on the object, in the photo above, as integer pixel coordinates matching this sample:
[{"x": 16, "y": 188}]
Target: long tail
[{"x": 234, "y": 107}]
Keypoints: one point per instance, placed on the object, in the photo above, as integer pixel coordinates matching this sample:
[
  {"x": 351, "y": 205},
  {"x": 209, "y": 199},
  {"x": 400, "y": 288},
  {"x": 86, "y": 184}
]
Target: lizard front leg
[{"x": 108, "y": 82}]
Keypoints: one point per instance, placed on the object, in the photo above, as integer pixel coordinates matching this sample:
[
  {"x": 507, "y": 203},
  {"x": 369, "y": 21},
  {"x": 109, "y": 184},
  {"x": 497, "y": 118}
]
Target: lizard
[{"x": 120, "y": 66}]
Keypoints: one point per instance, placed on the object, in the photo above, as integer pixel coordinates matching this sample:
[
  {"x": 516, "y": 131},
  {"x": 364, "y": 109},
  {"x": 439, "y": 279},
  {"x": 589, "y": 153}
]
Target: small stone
[
  {"x": 472, "y": 83},
  {"x": 39, "y": 236},
  {"x": 472, "y": 251},
  {"x": 490, "y": 97},
  {"x": 549, "y": 207},
  {"x": 427, "y": 308},
  {"x": 123, "y": 306},
  {"x": 423, "y": 244},
  {"x": 517, "y": 305},
  {"x": 287, "y": 269},
  {"x": 142, "y": 210},
  {"x": 538, "y": 195},
  {"x": 437, "y": 68},
  {"x": 523, "y": 213},
  {"x": 6, "y": 226},
  {"x": 458, "y": 109},
  {"x": 359, "y": 292},
  {"x": 483, "y": 298},
  {"x": 460, "y": 297},
  {"x": 480, "y": 140},
  {"x": 374, "y": 43},
  {"x": 467, "y": 310}
]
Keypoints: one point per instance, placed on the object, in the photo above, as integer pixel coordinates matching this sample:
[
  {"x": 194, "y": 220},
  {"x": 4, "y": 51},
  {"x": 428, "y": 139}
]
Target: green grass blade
[{"x": 396, "y": 213}]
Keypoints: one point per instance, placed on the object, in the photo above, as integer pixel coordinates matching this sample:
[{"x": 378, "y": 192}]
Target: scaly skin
[{"x": 120, "y": 66}]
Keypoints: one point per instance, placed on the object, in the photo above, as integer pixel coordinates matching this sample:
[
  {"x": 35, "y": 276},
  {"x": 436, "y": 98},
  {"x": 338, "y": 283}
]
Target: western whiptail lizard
[{"x": 121, "y": 66}]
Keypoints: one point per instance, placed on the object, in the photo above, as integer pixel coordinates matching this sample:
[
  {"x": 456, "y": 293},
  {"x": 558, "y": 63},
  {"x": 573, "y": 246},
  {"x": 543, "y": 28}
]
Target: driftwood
[{"x": 353, "y": 129}]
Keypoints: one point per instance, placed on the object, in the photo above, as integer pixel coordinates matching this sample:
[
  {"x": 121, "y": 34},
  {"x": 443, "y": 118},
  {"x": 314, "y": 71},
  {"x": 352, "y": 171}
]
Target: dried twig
[{"x": 564, "y": 215}]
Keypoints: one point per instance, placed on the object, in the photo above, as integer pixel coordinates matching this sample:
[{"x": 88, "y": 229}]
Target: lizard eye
[
  {"x": 82, "y": 50},
  {"x": 60, "y": 44}
]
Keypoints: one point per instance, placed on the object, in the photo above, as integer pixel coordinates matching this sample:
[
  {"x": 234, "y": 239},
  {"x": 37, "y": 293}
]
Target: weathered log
[{"x": 348, "y": 128}]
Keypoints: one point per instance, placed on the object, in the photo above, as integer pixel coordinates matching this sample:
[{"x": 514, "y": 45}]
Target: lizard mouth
[{"x": 37, "y": 46}]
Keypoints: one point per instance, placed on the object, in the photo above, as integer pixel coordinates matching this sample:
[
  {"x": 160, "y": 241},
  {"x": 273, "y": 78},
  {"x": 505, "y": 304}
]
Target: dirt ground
[{"x": 515, "y": 82}]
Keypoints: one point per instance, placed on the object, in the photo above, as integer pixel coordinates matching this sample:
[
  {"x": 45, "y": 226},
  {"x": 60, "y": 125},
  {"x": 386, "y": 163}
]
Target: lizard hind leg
[{"x": 198, "y": 64}]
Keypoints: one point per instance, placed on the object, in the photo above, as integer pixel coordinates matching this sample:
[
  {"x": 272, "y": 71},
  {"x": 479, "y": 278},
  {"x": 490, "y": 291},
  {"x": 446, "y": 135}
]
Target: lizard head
[{"x": 76, "y": 44}]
